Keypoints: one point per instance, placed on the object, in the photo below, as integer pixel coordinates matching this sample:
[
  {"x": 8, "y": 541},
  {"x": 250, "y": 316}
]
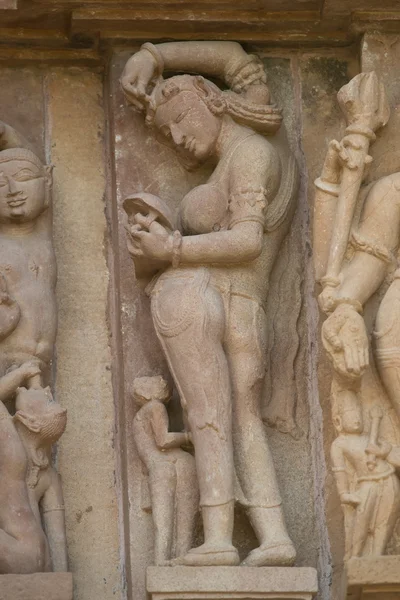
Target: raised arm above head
[{"x": 225, "y": 60}]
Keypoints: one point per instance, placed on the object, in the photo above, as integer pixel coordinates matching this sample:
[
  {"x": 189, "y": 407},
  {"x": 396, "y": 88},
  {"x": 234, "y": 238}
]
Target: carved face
[
  {"x": 189, "y": 124},
  {"x": 22, "y": 191},
  {"x": 352, "y": 420}
]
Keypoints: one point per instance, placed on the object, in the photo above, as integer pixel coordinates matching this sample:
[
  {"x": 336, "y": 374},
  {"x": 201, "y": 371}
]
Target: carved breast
[{"x": 204, "y": 209}]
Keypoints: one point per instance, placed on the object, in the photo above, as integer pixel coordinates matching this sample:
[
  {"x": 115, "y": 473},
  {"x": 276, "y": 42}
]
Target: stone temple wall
[{"x": 75, "y": 115}]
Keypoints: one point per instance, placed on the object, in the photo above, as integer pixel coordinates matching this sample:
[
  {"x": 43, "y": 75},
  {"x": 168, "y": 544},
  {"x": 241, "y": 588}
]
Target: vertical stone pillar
[{"x": 75, "y": 122}]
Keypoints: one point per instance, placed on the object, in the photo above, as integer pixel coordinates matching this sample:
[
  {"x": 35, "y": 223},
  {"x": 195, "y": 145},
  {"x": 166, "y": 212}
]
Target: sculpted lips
[
  {"x": 16, "y": 202},
  {"x": 189, "y": 145}
]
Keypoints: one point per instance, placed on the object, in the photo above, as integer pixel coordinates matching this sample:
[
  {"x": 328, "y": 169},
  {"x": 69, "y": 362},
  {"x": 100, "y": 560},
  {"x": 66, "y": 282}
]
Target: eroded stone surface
[
  {"x": 231, "y": 583},
  {"x": 38, "y": 586},
  {"x": 87, "y": 457},
  {"x": 375, "y": 578}
]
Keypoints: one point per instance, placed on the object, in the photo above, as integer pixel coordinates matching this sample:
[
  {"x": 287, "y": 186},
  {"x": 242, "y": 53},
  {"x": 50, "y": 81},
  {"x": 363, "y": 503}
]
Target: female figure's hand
[
  {"x": 156, "y": 243},
  {"x": 136, "y": 77}
]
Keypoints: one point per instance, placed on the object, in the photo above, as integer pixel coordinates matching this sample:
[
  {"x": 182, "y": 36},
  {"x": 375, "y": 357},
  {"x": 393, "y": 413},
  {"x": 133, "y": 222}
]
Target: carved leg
[
  {"x": 23, "y": 547},
  {"x": 387, "y": 513},
  {"x": 364, "y": 516},
  {"x": 253, "y": 461},
  {"x": 162, "y": 481},
  {"x": 187, "y": 503},
  {"x": 198, "y": 364}
]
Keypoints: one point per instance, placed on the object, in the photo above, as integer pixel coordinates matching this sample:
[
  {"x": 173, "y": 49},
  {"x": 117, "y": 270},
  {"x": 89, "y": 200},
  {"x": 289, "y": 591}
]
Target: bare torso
[{"x": 28, "y": 265}]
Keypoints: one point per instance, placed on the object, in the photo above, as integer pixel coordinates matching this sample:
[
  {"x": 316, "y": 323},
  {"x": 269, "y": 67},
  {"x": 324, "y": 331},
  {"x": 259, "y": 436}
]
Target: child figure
[
  {"x": 368, "y": 487},
  {"x": 171, "y": 471}
]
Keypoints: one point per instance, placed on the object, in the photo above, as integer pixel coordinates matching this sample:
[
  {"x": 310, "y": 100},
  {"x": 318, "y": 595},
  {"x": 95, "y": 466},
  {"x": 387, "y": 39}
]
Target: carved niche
[
  {"x": 32, "y": 523},
  {"x": 206, "y": 268}
]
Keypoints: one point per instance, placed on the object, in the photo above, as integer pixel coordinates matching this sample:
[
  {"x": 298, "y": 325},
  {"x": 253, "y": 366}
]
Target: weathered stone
[
  {"x": 230, "y": 583},
  {"x": 38, "y": 586},
  {"x": 375, "y": 578}
]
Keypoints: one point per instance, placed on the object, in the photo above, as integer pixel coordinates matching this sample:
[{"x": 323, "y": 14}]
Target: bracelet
[
  {"x": 176, "y": 248},
  {"x": 329, "y": 281},
  {"x": 156, "y": 55},
  {"x": 350, "y": 302},
  {"x": 233, "y": 76},
  {"x": 361, "y": 130},
  {"x": 332, "y": 189}
]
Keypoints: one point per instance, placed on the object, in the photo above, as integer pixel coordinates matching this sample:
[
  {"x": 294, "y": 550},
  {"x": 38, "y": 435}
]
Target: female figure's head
[{"x": 188, "y": 111}]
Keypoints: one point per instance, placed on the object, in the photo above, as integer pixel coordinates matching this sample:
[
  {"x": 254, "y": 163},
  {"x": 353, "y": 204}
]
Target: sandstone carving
[
  {"x": 211, "y": 265},
  {"x": 30, "y": 420},
  {"x": 356, "y": 237},
  {"x": 171, "y": 471}
]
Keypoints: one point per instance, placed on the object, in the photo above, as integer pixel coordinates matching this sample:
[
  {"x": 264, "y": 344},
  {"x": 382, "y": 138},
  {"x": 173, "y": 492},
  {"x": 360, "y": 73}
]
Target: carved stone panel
[
  {"x": 356, "y": 226},
  {"x": 151, "y": 181}
]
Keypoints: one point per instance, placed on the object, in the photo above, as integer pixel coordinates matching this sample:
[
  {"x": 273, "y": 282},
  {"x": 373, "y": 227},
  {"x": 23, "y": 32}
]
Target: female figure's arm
[
  {"x": 226, "y": 60},
  {"x": 254, "y": 179},
  {"x": 53, "y": 513}
]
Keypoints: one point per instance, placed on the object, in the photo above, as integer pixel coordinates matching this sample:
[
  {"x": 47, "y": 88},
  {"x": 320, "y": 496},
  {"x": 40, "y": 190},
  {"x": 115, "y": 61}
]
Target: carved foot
[
  {"x": 208, "y": 555},
  {"x": 283, "y": 555}
]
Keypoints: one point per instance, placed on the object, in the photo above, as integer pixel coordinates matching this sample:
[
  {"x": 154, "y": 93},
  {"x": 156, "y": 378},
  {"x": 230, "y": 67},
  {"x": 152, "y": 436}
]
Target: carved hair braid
[{"x": 265, "y": 118}]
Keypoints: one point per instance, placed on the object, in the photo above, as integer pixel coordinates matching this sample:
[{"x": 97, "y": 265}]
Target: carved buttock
[{"x": 175, "y": 301}]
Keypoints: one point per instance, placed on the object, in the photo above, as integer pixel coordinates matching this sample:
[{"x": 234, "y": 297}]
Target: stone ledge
[
  {"x": 231, "y": 583},
  {"x": 38, "y": 586},
  {"x": 375, "y": 578}
]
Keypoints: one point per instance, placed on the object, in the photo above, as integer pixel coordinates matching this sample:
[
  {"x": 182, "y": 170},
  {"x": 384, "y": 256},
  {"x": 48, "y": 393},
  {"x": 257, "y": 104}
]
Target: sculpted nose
[
  {"x": 176, "y": 134},
  {"x": 12, "y": 188}
]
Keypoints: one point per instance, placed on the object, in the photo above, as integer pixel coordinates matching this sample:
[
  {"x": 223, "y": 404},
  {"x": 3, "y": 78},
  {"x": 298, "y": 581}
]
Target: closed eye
[
  {"x": 181, "y": 116},
  {"x": 26, "y": 175},
  {"x": 3, "y": 181}
]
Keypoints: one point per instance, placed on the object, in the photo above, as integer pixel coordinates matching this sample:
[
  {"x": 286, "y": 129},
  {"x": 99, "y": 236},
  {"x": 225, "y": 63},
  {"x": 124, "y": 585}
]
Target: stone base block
[
  {"x": 38, "y": 586},
  {"x": 373, "y": 578},
  {"x": 231, "y": 583}
]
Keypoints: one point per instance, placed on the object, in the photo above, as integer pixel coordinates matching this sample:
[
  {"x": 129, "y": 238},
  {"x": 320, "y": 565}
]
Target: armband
[
  {"x": 156, "y": 55},
  {"x": 332, "y": 189},
  {"x": 360, "y": 244}
]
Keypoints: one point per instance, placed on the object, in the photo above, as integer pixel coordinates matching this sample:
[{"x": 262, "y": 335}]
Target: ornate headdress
[
  {"x": 20, "y": 154},
  {"x": 265, "y": 118}
]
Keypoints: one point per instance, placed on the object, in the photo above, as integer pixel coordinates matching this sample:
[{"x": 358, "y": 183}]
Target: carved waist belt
[{"x": 377, "y": 476}]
